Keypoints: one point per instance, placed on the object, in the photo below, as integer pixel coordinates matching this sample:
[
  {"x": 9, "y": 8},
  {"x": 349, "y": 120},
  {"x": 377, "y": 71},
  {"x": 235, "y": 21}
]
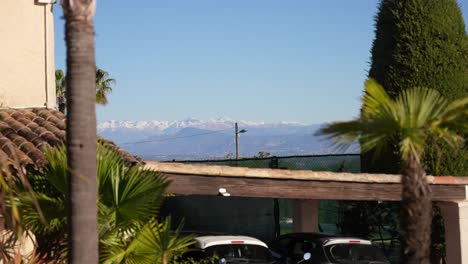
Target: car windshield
[
  {"x": 240, "y": 253},
  {"x": 355, "y": 254}
]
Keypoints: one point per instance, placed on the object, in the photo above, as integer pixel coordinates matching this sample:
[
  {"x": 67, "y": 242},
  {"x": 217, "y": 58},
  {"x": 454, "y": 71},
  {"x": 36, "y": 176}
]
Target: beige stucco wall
[{"x": 26, "y": 54}]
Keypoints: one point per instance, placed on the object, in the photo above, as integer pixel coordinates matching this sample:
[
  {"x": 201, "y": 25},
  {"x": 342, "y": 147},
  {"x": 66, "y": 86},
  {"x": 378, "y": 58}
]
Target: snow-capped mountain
[
  {"x": 168, "y": 127},
  {"x": 214, "y": 138}
]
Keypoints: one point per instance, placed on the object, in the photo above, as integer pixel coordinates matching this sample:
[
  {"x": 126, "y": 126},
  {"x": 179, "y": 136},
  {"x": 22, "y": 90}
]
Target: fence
[{"x": 339, "y": 162}]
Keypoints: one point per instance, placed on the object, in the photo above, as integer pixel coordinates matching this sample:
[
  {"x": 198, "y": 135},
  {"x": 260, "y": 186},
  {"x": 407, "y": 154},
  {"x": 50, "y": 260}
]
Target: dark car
[{"x": 325, "y": 249}]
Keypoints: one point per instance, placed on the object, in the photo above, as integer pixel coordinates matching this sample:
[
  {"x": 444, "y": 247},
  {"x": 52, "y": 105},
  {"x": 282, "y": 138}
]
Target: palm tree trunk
[
  {"x": 416, "y": 215},
  {"x": 81, "y": 131}
]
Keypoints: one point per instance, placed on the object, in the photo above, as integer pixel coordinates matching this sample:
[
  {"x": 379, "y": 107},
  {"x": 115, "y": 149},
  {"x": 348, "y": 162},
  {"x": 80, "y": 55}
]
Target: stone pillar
[
  {"x": 305, "y": 215},
  {"x": 456, "y": 231}
]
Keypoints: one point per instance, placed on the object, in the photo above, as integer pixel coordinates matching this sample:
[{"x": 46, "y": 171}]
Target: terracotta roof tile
[{"x": 27, "y": 132}]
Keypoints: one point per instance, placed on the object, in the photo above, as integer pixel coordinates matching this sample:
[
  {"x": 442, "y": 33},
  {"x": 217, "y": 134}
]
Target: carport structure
[{"x": 307, "y": 188}]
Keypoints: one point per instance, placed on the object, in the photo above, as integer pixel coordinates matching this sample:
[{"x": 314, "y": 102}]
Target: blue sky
[{"x": 261, "y": 60}]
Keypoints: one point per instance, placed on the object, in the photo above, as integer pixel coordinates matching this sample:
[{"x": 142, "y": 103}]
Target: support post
[
  {"x": 237, "y": 141},
  {"x": 456, "y": 231},
  {"x": 305, "y": 215}
]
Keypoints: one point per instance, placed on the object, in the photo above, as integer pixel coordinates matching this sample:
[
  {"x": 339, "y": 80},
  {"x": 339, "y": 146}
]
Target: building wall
[{"x": 27, "y": 77}]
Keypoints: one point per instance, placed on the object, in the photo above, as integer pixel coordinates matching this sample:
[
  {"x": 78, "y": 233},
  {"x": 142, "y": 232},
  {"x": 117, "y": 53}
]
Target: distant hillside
[{"x": 214, "y": 138}]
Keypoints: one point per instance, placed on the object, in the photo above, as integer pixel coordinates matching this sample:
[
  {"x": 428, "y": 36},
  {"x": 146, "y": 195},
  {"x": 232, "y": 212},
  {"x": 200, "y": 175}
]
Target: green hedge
[{"x": 421, "y": 43}]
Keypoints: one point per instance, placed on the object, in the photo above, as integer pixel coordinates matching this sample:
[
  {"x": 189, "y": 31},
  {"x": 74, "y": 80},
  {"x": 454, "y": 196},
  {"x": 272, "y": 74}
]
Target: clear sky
[{"x": 260, "y": 60}]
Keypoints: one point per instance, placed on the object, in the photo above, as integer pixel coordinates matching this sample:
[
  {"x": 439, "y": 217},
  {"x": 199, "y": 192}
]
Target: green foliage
[
  {"x": 60, "y": 83},
  {"x": 437, "y": 236},
  {"x": 421, "y": 43},
  {"x": 378, "y": 221},
  {"x": 208, "y": 260},
  {"x": 103, "y": 87},
  {"x": 152, "y": 243},
  {"x": 129, "y": 200}
]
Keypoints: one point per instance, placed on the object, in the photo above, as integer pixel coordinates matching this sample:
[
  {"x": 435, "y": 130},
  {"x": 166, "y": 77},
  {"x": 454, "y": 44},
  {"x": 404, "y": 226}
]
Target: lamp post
[{"x": 237, "y": 139}]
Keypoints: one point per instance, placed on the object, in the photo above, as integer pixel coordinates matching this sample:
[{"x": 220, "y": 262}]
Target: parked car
[
  {"x": 325, "y": 249},
  {"x": 230, "y": 249}
]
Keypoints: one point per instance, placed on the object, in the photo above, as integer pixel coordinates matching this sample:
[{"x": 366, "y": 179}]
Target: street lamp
[{"x": 237, "y": 139}]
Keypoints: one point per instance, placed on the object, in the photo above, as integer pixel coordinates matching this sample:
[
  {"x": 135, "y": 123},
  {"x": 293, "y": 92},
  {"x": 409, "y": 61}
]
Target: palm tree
[
  {"x": 413, "y": 117},
  {"x": 81, "y": 130},
  {"x": 60, "y": 88},
  {"x": 103, "y": 86},
  {"x": 129, "y": 198}
]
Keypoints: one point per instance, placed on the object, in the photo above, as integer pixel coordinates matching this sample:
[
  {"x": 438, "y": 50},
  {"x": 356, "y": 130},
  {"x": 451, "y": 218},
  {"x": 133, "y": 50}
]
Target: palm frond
[
  {"x": 54, "y": 212},
  {"x": 128, "y": 197},
  {"x": 373, "y": 128},
  {"x": 340, "y": 134},
  {"x": 56, "y": 170},
  {"x": 156, "y": 241},
  {"x": 448, "y": 135},
  {"x": 103, "y": 86},
  {"x": 375, "y": 101},
  {"x": 420, "y": 114},
  {"x": 455, "y": 116},
  {"x": 109, "y": 163},
  {"x": 136, "y": 195}
]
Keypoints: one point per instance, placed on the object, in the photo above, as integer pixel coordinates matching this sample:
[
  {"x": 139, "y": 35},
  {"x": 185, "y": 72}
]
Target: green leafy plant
[
  {"x": 129, "y": 199},
  {"x": 153, "y": 243}
]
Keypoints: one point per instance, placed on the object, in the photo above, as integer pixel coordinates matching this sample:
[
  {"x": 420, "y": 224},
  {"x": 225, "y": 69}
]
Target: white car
[{"x": 230, "y": 249}]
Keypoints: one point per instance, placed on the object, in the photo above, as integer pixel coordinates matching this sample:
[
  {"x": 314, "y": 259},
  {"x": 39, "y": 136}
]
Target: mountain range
[{"x": 193, "y": 139}]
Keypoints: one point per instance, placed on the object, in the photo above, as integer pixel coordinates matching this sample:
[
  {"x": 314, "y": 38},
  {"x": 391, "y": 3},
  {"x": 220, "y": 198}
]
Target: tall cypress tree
[{"x": 420, "y": 43}]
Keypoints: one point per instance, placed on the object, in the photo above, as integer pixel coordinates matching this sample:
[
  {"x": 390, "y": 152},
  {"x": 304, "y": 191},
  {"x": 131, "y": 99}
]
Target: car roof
[
  {"x": 346, "y": 240},
  {"x": 202, "y": 233},
  {"x": 203, "y": 242},
  {"x": 327, "y": 239}
]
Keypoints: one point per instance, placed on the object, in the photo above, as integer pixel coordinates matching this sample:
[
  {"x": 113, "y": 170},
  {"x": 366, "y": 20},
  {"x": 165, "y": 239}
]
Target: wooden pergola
[
  {"x": 307, "y": 188},
  {"x": 199, "y": 179}
]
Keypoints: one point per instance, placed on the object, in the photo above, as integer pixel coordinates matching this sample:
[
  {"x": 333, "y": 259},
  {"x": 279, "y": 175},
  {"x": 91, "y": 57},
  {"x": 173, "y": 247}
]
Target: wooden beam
[
  {"x": 301, "y": 189},
  {"x": 227, "y": 171}
]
